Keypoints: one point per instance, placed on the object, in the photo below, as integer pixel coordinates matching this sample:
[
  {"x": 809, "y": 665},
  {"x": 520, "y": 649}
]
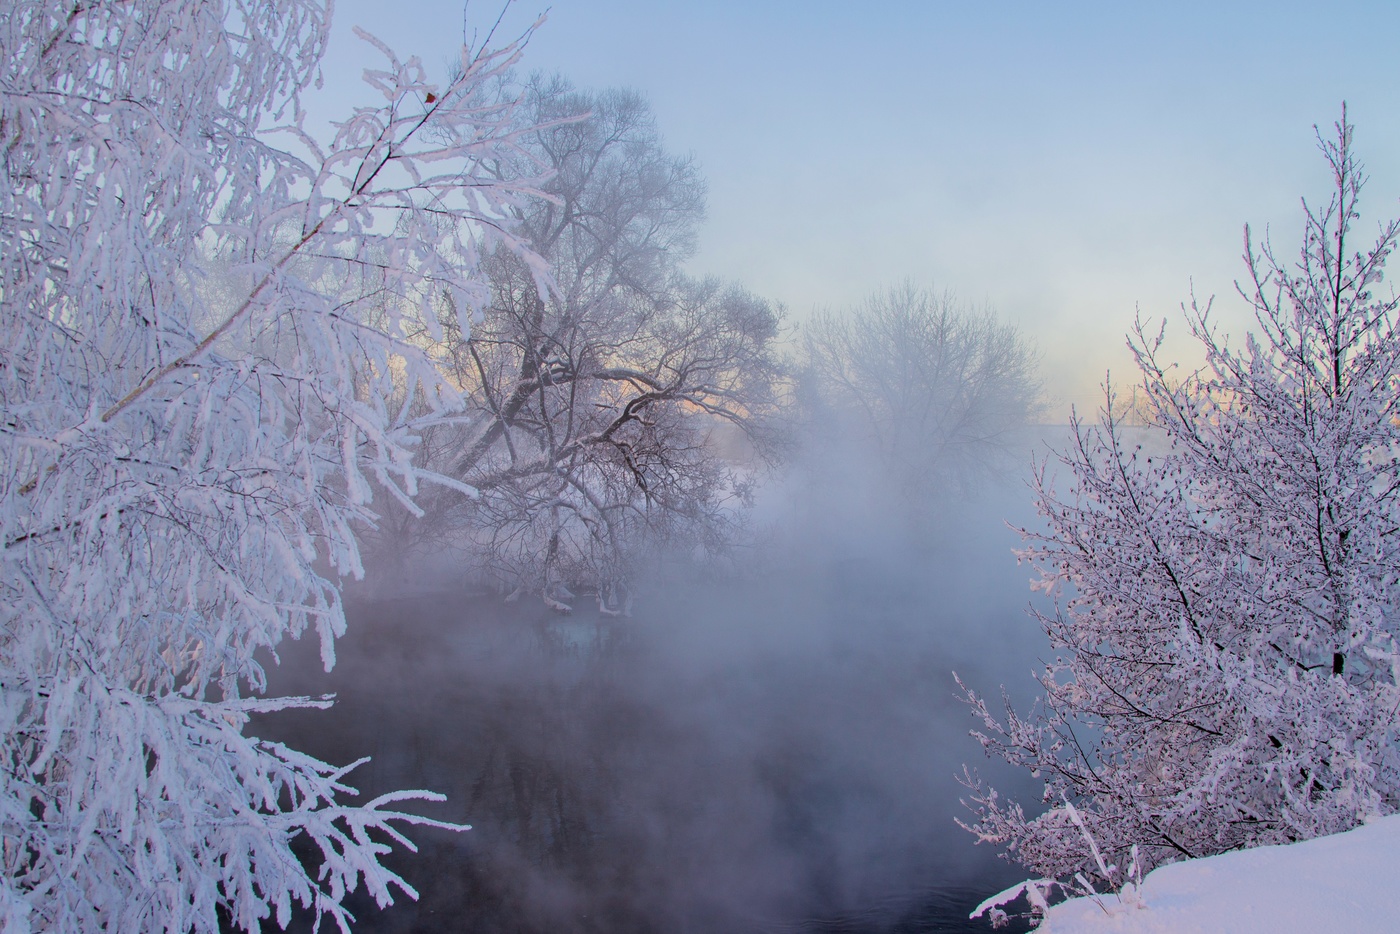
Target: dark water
[{"x": 770, "y": 753}]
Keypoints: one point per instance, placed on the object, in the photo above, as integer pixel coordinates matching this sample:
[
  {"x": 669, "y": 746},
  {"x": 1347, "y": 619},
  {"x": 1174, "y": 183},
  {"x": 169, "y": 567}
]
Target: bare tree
[
  {"x": 936, "y": 390},
  {"x": 597, "y": 408}
]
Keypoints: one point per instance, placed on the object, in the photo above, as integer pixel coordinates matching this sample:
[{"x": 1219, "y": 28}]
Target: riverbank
[{"x": 1342, "y": 883}]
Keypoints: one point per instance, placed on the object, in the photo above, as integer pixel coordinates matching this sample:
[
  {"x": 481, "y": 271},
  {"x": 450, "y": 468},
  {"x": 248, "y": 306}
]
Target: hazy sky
[{"x": 1065, "y": 162}]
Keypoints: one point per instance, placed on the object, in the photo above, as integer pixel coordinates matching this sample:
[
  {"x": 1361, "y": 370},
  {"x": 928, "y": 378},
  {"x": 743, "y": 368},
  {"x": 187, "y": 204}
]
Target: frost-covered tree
[
  {"x": 1227, "y": 579},
  {"x": 933, "y": 388},
  {"x": 599, "y": 410},
  {"x": 204, "y": 313}
]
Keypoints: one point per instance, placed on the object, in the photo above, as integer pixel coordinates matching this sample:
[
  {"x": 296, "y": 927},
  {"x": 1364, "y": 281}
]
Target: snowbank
[{"x": 1343, "y": 883}]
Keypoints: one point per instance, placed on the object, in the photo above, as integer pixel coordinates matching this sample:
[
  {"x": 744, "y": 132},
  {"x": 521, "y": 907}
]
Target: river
[{"x": 773, "y": 751}]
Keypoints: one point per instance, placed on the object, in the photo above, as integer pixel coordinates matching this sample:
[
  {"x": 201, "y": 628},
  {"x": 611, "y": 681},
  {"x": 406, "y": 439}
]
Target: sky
[{"x": 1065, "y": 163}]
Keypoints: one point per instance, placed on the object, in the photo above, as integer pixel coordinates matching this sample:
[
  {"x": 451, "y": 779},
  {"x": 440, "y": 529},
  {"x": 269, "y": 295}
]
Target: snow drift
[{"x": 1336, "y": 883}]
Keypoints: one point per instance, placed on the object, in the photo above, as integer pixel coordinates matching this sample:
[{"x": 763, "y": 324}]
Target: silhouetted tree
[
  {"x": 937, "y": 390},
  {"x": 599, "y": 408}
]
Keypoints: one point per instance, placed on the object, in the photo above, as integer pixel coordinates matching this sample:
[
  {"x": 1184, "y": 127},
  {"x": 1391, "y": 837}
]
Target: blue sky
[{"x": 1064, "y": 162}]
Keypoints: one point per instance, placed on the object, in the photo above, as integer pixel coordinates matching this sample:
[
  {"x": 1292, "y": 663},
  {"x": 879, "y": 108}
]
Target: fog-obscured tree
[
  {"x": 181, "y": 465},
  {"x": 1226, "y": 674},
  {"x": 936, "y": 390},
  {"x": 600, "y": 411}
]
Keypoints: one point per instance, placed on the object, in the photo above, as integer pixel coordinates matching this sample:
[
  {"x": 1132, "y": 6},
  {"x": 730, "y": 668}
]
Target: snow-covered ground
[{"x": 1343, "y": 883}]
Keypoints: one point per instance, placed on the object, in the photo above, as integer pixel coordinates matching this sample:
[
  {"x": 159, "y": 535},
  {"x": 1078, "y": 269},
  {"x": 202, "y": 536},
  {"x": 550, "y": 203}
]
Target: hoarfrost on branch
[
  {"x": 210, "y": 323},
  {"x": 1227, "y": 581}
]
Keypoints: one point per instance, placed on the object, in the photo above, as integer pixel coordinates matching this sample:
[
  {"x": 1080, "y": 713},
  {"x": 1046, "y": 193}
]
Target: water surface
[{"x": 770, "y": 752}]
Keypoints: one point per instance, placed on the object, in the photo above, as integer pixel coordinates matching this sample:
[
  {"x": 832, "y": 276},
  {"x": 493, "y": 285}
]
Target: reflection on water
[{"x": 774, "y": 757}]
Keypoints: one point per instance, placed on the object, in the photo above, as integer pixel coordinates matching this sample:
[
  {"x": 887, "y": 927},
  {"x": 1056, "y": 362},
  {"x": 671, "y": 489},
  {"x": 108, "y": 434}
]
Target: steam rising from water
[{"x": 771, "y": 752}]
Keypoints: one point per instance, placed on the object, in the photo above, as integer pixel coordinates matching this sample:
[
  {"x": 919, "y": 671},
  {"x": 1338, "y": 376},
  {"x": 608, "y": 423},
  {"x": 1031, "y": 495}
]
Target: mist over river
[{"x": 772, "y": 749}]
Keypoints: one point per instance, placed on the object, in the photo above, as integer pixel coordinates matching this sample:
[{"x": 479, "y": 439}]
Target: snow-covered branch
[
  {"x": 1227, "y": 578},
  {"x": 210, "y": 320}
]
